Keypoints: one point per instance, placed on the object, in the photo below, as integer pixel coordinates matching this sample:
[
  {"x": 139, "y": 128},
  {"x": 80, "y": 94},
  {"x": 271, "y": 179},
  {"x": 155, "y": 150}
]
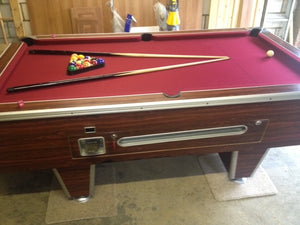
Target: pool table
[{"x": 239, "y": 107}]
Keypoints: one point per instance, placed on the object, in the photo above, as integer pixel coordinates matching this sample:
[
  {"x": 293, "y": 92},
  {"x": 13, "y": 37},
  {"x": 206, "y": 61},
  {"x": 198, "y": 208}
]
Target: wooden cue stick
[
  {"x": 146, "y": 55},
  {"x": 97, "y": 77}
]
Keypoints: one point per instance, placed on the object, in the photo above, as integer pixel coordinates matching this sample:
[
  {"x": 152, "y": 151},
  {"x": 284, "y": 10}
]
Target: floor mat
[
  {"x": 102, "y": 204},
  {"x": 223, "y": 189}
]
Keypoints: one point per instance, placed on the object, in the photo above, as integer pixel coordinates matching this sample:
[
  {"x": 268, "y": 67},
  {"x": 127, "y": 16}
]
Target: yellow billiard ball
[{"x": 270, "y": 53}]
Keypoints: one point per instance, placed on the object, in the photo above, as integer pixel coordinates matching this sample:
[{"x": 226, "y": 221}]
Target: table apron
[{"x": 147, "y": 106}]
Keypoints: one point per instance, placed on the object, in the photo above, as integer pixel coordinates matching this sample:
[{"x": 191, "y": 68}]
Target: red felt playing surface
[{"x": 248, "y": 66}]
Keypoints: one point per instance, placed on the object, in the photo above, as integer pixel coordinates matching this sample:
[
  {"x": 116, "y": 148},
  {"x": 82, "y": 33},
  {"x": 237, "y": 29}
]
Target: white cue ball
[{"x": 270, "y": 53}]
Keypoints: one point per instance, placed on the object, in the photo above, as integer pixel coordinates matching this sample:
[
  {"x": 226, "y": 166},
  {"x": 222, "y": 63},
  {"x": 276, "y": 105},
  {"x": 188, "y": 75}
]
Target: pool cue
[
  {"x": 119, "y": 74},
  {"x": 140, "y": 55}
]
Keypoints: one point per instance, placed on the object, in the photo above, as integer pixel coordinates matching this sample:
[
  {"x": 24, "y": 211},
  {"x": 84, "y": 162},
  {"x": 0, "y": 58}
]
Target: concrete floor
[{"x": 24, "y": 196}]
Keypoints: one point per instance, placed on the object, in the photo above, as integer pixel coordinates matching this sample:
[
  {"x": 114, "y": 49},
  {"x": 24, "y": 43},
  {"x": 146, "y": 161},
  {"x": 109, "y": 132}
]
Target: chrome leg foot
[
  {"x": 242, "y": 180},
  {"x": 83, "y": 199}
]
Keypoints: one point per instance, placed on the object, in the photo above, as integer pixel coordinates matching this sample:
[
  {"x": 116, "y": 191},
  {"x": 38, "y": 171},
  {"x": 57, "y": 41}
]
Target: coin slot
[
  {"x": 90, "y": 130},
  {"x": 92, "y": 146}
]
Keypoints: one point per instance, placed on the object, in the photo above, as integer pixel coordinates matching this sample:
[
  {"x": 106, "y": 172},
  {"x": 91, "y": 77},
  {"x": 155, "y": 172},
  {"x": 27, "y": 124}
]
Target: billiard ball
[
  {"x": 270, "y": 53},
  {"x": 21, "y": 103}
]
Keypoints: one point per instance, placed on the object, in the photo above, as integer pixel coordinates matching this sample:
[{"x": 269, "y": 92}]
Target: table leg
[
  {"x": 243, "y": 163},
  {"x": 77, "y": 182}
]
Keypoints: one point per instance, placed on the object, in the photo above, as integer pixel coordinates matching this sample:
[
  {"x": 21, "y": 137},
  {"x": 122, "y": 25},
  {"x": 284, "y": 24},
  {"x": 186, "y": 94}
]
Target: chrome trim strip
[
  {"x": 182, "y": 135},
  {"x": 147, "y": 106},
  {"x": 233, "y": 165}
]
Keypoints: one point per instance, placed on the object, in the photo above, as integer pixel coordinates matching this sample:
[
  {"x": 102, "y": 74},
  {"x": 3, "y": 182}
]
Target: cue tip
[{"x": 226, "y": 57}]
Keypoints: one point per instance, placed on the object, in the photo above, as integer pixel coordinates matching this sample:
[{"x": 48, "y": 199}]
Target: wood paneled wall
[
  {"x": 16, "y": 12},
  {"x": 232, "y": 14},
  {"x": 190, "y": 12},
  {"x": 141, "y": 10},
  {"x": 53, "y": 16}
]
